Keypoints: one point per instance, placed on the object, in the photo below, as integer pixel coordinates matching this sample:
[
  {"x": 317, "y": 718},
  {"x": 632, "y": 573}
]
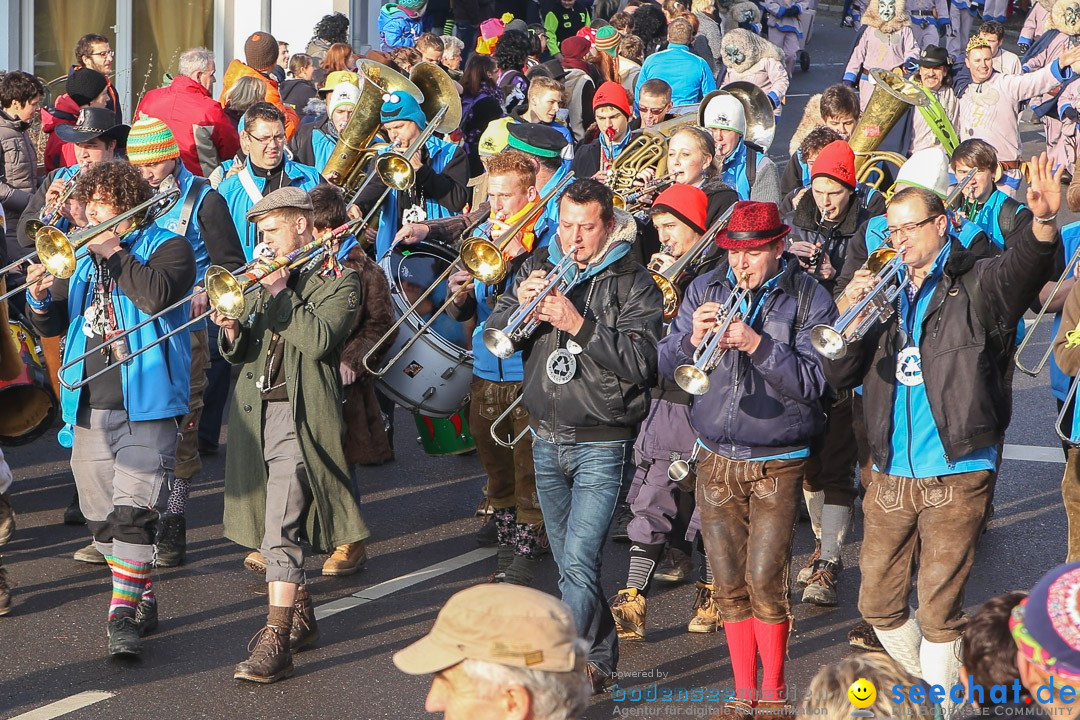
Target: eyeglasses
[
  {"x": 905, "y": 231},
  {"x": 268, "y": 140},
  {"x": 652, "y": 111},
  {"x": 104, "y": 53}
]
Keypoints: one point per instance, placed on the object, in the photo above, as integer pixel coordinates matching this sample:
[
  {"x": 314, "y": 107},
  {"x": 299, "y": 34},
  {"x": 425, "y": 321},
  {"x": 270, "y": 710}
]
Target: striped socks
[{"x": 130, "y": 580}]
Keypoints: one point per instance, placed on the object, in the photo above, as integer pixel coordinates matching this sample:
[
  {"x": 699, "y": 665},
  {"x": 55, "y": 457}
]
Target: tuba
[
  {"x": 646, "y": 151},
  {"x": 892, "y": 97}
]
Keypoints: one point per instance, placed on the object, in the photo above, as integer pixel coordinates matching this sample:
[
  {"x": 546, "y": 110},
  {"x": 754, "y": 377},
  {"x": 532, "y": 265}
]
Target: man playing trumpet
[{"x": 754, "y": 421}]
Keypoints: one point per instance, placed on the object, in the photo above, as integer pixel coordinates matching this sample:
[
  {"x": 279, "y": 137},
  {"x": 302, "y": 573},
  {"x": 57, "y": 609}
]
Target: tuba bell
[
  {"x": 439, "y": 92},
  {"x": 760, "y": 120},
  {"x": 892, "y": 97}
]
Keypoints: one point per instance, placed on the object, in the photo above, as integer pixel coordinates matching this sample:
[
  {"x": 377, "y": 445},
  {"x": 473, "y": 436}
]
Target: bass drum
[
  {"x": 27, "y": 404},
  {"x": 433, "y": 377},
  {"x": 445, "y": 436}
]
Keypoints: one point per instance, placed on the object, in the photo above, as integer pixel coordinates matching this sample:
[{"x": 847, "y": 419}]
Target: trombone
[
  {"x": 1033, "y": 372},
  {"x": 694, "y": 378},
  {"x": 668, "y": 280},
  {"x": 59, "y": 252},
  {"x": 505, "y": 415},
  {"x": 832, "y": 341},
  {"x": 394, "y": 168},
  {"x": 483, "y": 256},
  {"x": 48, "y": 216}
]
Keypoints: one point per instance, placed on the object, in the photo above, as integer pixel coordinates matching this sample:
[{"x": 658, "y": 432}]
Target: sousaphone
[{"x": 439, "y": 91}]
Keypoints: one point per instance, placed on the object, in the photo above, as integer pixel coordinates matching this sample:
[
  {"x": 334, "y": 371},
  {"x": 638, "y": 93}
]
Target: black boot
[
  {"x": 124, "y": 636},
  {"x": 619, "y": 531},
  {"x": 171, "y": 541},
  {"x": 73, "y": 514},
  {"x": 521, "y": 571}
]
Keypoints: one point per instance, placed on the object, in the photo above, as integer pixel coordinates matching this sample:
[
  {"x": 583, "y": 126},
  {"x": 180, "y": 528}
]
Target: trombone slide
[
  {"x": 505, "y": 416},
  {"x": 1033, "y": 372}
]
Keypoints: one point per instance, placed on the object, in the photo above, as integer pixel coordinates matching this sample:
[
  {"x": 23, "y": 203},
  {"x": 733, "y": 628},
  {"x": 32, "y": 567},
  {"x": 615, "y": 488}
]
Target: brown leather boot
[
  {"x": 271, "y": 659},
  {"x": 346, "y": 559},
  {"x": 305, "y": 630}
]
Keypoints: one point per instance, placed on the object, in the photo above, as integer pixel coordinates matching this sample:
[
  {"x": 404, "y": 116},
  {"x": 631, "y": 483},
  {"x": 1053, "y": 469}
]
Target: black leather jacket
[{"x": 609, "y": 394}]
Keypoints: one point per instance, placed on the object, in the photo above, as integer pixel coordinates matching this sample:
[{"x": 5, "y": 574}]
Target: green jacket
[{"x": 314, "y": 320}]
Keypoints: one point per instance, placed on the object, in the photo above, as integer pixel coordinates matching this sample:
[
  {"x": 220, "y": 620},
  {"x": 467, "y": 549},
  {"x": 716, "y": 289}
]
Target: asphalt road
[{"x": 422, "y": 550}]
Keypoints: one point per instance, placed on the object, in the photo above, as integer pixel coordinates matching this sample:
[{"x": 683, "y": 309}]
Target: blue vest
[
  {"x": 1059, "y": 381},
  {"x": 439, "y": 154},
  {"x": 322, "y": 145},
  {"x": 547, "y": 226},
  {"x": 170, "y": 222},
  {"x": 155, "y": 383},
  {"x": 236, "y": 197},
  {"x": 988, "y": 216},
  {"x": 734, "y": 171},
  {"x": 63, "y": 224}
]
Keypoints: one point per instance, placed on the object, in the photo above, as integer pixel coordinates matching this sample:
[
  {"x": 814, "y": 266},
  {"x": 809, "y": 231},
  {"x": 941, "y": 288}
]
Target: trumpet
[
  {"x": 48, "y": 216},
  {"x": 1033, "y": 372},
  {"x": 632, "y": 202},
  {"x": 694, "y": 378},
  {"x": 684, "y": 472},
  {"x": 832, "y": 341},
  {"x": 668, "y": 280},
  {"x": 59, "y": 252},
  {"x": 483, "y": 257},
  {"x": 505, "y": 415}
]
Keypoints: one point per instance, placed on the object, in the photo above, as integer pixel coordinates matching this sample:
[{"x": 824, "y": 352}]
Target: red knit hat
[
  {"x": 589, "y": 33},
  {"x": 574, "y": 48},
  {"x": 836, "y": 161},
  {"x": 686, "y": 202},
  {"x": 613, "y": 94},
  {"x": 752, "y": 225}
]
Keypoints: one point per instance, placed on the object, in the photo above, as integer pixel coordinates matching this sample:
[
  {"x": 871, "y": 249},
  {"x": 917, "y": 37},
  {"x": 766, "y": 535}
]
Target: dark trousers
[
  {"x": 215, "y": 396},
  {"x": 831, "y": 468},
  {"x": 511, "y": 478}
]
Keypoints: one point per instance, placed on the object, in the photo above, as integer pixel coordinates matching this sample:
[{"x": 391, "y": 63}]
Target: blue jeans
[{"x": 578, "y": 486}]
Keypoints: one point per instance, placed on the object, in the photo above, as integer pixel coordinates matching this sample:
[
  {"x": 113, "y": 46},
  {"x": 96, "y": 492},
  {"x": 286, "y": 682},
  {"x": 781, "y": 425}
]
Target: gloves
[
  {"x": 792, "y": 11},
  {"x": 1070, "y": 113},
  {"x": 1024, "y": 47}
]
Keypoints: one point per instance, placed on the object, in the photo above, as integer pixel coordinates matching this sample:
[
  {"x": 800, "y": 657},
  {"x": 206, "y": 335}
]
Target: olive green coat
[{"x": 314, "y": 320}]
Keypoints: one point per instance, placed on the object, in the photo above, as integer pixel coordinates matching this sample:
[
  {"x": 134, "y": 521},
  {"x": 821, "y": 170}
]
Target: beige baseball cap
[{"x": 497, "y": 623}]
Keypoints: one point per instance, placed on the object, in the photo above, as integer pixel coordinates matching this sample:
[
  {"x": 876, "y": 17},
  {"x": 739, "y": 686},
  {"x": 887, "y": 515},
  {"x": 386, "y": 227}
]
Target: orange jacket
[{"x": 237, "y": 70}]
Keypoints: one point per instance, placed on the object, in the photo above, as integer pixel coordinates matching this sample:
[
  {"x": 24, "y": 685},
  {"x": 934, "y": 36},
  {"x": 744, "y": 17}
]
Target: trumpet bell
[
  {"x": 828, "y": 341},
  {"x": 55, "y": 252},
  {"x": 879, "y": 259},
  {"x": 498, "y": 343},
  {"x": 484, "y": 260},
  {"x": 225, "y": 292},
  {"x": 692, "y": 379},
  {"x": 678, "y": 471},
  {"x": 670, "y": 293},
  {"x": 395, "y": 171}
]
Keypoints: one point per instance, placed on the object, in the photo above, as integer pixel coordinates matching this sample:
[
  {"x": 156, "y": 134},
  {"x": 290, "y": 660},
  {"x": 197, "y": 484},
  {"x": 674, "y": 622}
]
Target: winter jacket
[
  {"x": 962, "y": 366},
  {"x": 609, "y": 393},
  {"x": 397, "y": 29},
  {"x": 58, "y": 153},
  {"x": 560, "y": 24},
  {"x": 313, "y": 143},
  {"x": 204, "y": 133},
  {"x": 578, "y": 91},
  {"x": 762, "y": 185},
  {"x": 721, "y": 196},
  {"x": 18, "y": 169},
  {"x": 767, "y": 403},
  {"x": 113, "y": 103},
  {"x": 296, "y": 93},
  {"x": 688, "y": 75},
  {"x": 237, "y": 70}
]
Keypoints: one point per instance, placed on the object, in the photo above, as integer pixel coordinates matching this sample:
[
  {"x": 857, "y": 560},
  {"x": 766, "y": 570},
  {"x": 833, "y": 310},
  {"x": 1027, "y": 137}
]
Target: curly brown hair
[{"x": 115, "y": 182}]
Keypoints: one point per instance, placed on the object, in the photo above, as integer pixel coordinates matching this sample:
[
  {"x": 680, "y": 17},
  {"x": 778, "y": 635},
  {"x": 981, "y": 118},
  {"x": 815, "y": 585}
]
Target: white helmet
[
  {"x": 725, "y": 112},
  {"x": 927, "y": 169}
]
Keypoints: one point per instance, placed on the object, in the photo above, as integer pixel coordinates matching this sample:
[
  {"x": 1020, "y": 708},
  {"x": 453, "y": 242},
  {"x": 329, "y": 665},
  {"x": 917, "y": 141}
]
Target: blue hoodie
[{"x": 397, "y": 29}]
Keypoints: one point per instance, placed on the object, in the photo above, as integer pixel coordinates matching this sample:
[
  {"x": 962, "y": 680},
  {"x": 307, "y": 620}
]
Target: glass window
[
  {"x": 58, "y": 25},
  {"x": 161, "y": 30}
]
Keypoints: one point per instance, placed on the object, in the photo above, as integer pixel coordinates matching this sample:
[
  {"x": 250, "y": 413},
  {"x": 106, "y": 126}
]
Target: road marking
[
  {"x": 1034, "y": 453},
  {"x": 65, "y": 706},
  {"x": 390, "y": 587}
]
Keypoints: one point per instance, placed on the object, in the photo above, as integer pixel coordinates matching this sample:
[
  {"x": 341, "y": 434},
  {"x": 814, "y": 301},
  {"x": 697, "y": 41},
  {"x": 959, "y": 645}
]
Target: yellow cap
[
  {"x": 495, "y": 138},
  {"x": 339, "y": 76}
]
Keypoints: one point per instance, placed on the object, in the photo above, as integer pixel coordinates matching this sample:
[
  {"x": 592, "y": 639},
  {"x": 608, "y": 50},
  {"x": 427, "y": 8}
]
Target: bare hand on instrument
[
  {"x": 199, "y": 302},
  {"x": 348, "y": 375},
  {"x": 741, "y": 337},
  {"x": 601, "y": 176},
  {"x": 704, "y": 321},
  {"x": 644, "y": 177},
  {"x": 276, "y": 281},
  {"x": 39, "y": 281},
  {"x": 56, "y": 188},
  {"x": 557, "y": 309},
  {"x": 411, "y": 233},
  {"x": 803, "y": 250},
  {"x": 353, "y": 212},
  {"x": 229, "y": 325},
  {"x": 1044, "y": 187},
  {"x": 461, "y": 285},
  {"x": 417, "y": 160},
  {"x": 661, "y": 261},
  {"x": 531, "y": 286},
  {"x": 861, "y": 284}
]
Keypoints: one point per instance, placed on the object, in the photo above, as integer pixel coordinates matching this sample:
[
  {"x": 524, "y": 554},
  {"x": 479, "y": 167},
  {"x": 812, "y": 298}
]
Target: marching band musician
[
  {"x": 691, "y": 161},
  {"x": 1002, "y": 218},
  {"x": 795, "y": 180},
  {"x": 654, "y": 104},
  {"x": 286, "y": 477},
  {"x": 442, "y": 173},
  {"x": 611, "y": 106},
  {"x": 314, "y": 142},
  {"x": 511, "y": 485},
  {"x": 202, "y": 217},
  {"x": 742, "y": 166},
  {"x": 884, "y": 41},
  {"x": 751, "y": 467},
  {"x": 936, "y": 406},
  {"x": 661, "y": 511},
  {"x": 125, "y": 423},
  {"x": 587, "y": 370},
  {"x": 934, "y": 76},
  {"x": 266, "y": 169}
]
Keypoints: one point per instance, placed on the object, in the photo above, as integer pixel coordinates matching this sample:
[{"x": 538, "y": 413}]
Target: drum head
[{"x": 411, "y": 270}]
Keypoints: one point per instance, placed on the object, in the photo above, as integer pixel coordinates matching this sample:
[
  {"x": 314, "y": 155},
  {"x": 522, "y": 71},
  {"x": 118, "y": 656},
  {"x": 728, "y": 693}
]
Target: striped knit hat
[
  {"x": 607, "y": 39},
  {"x": 150, "y": 142}
]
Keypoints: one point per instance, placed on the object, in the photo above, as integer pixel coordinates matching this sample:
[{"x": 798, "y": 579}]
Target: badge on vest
[
  {"x": 909, "y": 367},
  {"x": 561, "y": 366},
  {"x": 413, "y": 214}
]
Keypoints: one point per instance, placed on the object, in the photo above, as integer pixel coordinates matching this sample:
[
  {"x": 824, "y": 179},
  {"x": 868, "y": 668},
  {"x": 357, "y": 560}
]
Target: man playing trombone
[
  {"x": 741, "y": 342},
  {"x": 125, "y": 422},
  {"x": 588, "y": 342},
  {"x": 936, "y": 404}
]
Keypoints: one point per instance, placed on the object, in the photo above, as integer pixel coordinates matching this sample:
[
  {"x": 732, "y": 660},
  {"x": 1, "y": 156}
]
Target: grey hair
[
  {"x": 195, "y": 60},
  {"x": 452, "y": 46},
  {"x": 555, "y": 695},
  {"x": 245, "y": 92}
]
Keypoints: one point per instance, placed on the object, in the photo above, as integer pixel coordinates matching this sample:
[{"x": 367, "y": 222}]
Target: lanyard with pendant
[{"x": 562, "y": 362}]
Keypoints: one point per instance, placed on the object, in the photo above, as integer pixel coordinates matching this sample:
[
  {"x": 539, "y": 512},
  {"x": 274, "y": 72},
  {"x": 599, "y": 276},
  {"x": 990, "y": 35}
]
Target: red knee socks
[
  {"x": 772, "y": 640},
  {"x": 742, "y": 646}
]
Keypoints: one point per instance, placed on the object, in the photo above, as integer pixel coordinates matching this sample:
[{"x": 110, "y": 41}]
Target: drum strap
[
  {"x": 190, "y": 200},
  {"x": 249, "y": 186}
]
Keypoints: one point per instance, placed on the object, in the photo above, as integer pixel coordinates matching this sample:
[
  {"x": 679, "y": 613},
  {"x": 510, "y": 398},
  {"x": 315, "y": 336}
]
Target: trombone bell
[
  {"x": 483, "y": 260},
  {"x": 670, "y": 293},
  {"x": 55, "y": 252},
  {"x": 225, "y": 292},
  {"x": 395, "y": 171}
]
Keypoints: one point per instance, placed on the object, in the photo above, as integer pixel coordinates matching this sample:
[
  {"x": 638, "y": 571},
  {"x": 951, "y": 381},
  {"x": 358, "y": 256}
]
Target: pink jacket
[
  {"x": 1035, "y": 25},
  {"x": 878, "y": 50},
  {"x": 768, "y": 74}
]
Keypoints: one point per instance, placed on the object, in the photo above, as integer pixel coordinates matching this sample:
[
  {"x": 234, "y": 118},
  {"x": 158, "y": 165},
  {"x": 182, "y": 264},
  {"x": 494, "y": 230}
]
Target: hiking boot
[
  {"x": 7, "y": 518},
  {"x": 863, "y": 637},
  {"x": 5, "y": 593},
  {"x": 706, "y": 614},
  {"x": 628, "y": 608},
  {"x": 171, "y": 541},
  {"x": 305, "y": 630},
  {"x": 737, "y": 708},
  {"x": 124, "y": 636},
  {"x": 271, "y": 659},
  {"x": 623, "y": 516},
  {"x": 146, "y": 616},
  {"x": 346, "y": 559},
  {"x": 89, "y": 554},
  {"x": 599, "y": 679},
  {"x": 488, "y": 534},
  {"x": 255, "y": 562},
  {"x": 73, "y": 513},
  {"x": 821, "y": 590},
  {"x": 774, "y": 709},
  {"x": 676, "y": 567},
  {"x": 808, "y": 569},
  {"x": 521, "y": 571}
]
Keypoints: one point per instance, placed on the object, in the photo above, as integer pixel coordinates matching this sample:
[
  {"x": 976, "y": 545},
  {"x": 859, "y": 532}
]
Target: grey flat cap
[{"x": 286, "y": 197}]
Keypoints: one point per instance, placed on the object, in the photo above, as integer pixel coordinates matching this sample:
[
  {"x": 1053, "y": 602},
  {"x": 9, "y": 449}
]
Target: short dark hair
[
  {"x": 21, "y": 86},
  {"x": 117, "y": 182},
  {"x": 989, "y": 652},
  {"x": 332, "y": 28},
  {"x": 329, "y": 206},
  {"x": 263, "y": 111},
  {"x": 656, "y": 87},
  {"x": 840, "y": 101},
  {"x": 975, "y": 153},
  {"x": 992, "y": 27},
  {"x": 85, "y": 46},
  {"x": 930, "y": 201},
  {"x": 513, "y": 50},
  {"x": 816, "y": 140},
  {"x": 588, "y": 190},
  {"x": 623, "y": 21}
]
